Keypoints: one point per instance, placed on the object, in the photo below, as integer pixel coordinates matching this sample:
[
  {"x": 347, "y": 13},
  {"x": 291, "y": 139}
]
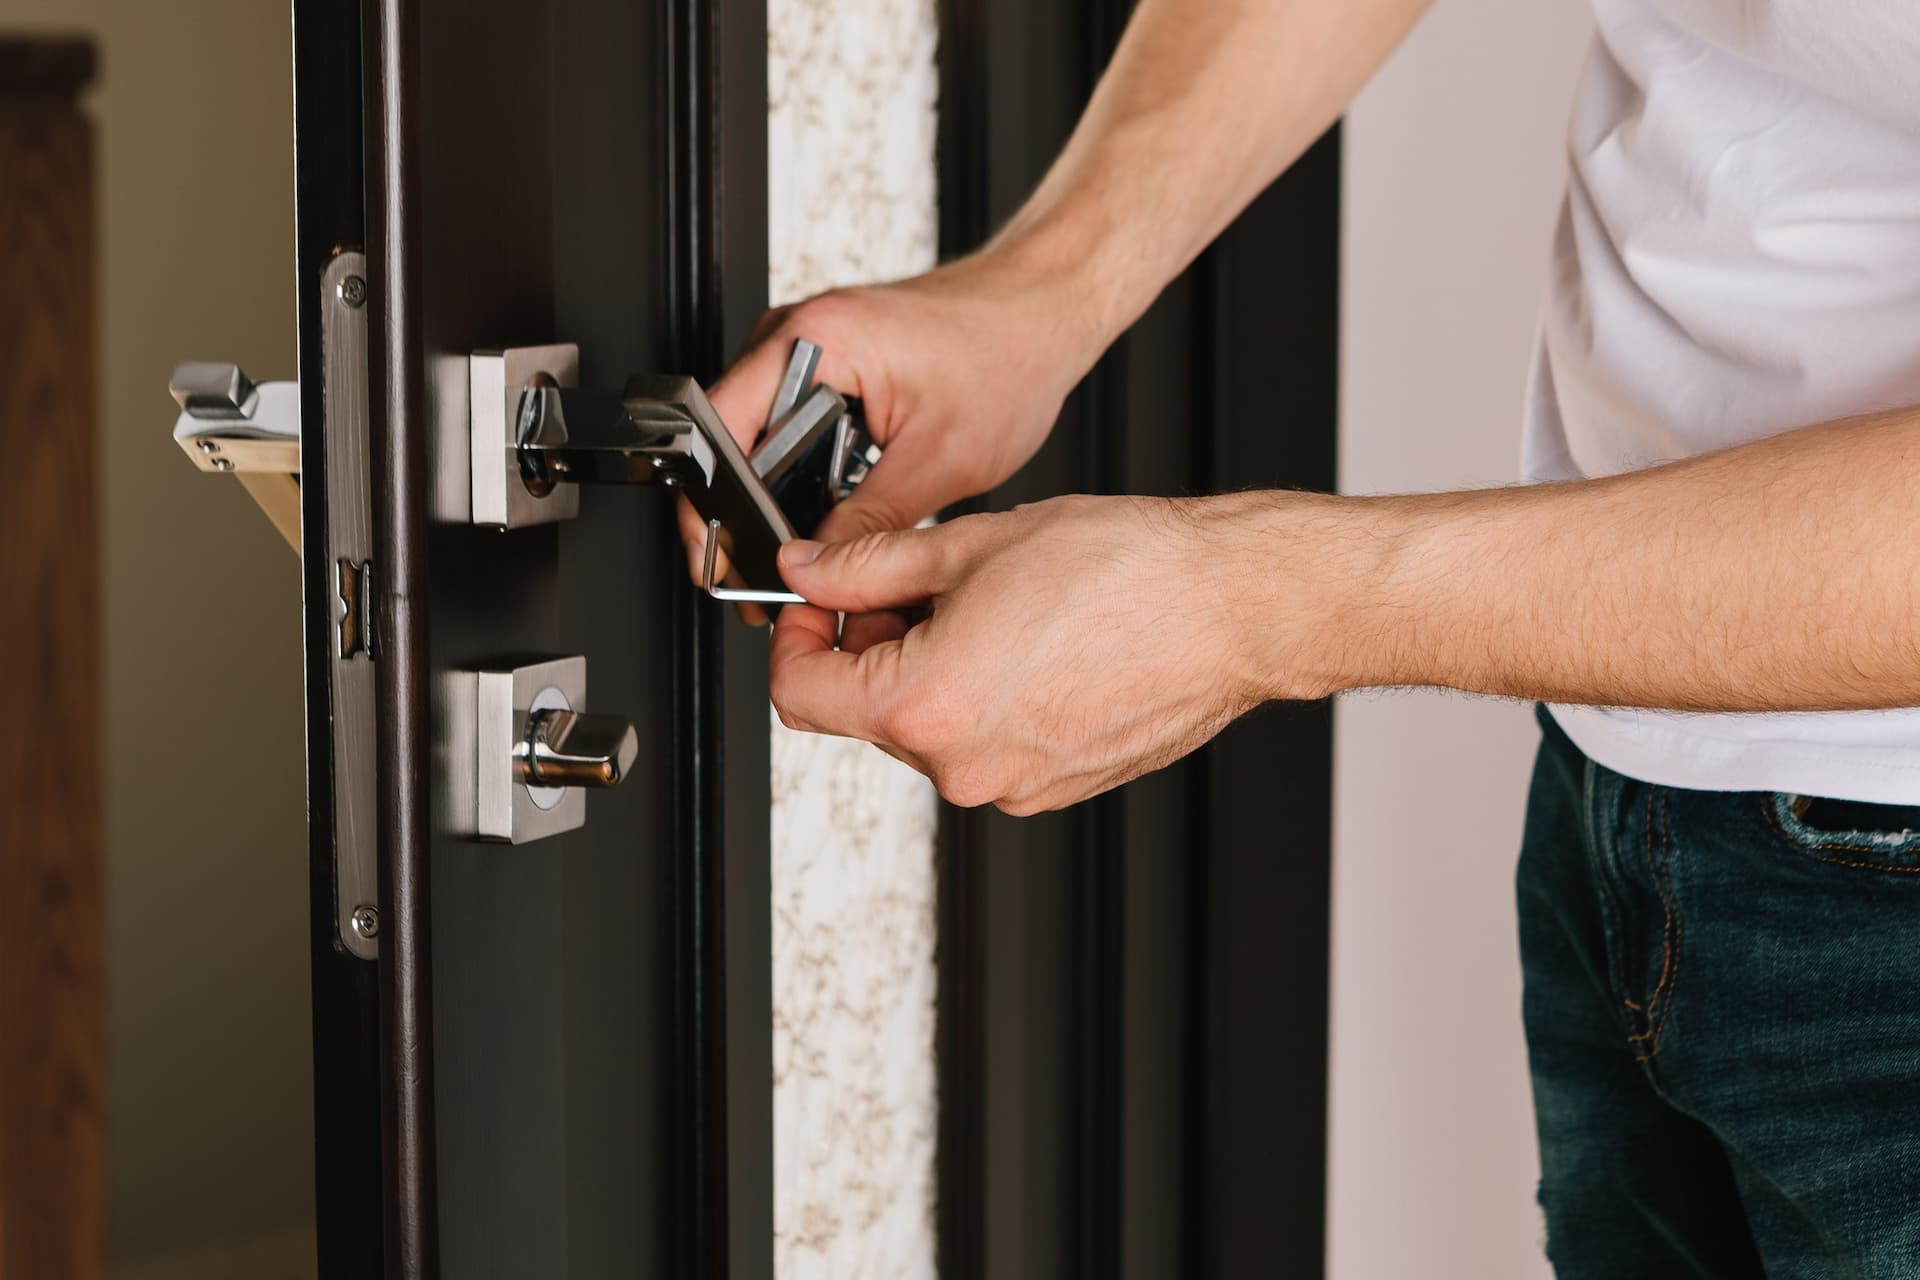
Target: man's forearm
[
  {"x": 1782, "y": 575},
  {"x": 1204, "y": 104}
]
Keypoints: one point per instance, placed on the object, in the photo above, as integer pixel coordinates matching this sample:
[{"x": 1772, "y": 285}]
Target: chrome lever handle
[{"x": 564, "y": 748}]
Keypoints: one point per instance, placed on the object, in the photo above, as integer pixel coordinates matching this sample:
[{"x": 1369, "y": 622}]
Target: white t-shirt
[{"x": 1739, "y": 255}]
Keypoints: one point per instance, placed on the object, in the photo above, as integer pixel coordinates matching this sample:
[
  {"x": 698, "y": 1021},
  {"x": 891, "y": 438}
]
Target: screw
[
  {"x": 223, "y": 464},
  {"x": 209, "y": 446},
  {"x": 366, "y": 919},
  {"x": 353, "y": 291}
]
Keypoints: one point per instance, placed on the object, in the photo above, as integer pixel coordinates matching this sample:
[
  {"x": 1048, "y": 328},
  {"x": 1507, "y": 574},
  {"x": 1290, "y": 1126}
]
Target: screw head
[
  {"x": 223, "y": 464},
  {"x": 366, "y": 921},
  {"x": 209, "y": 446},
  {"x": 353, "y": 291}
]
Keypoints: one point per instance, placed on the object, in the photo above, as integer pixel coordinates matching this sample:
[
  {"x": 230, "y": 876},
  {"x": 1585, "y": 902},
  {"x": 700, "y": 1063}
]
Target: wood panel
[{"x": 52, "y": 947}]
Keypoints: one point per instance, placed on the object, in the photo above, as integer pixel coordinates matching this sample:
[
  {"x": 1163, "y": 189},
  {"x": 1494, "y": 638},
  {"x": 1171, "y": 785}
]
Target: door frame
[{"x": 1133, "y": 993}]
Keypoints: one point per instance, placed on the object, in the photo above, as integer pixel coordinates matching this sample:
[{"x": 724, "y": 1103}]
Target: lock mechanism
[
  {"x": 535, "y": 436},
  {"x": 534, "y": 749}
]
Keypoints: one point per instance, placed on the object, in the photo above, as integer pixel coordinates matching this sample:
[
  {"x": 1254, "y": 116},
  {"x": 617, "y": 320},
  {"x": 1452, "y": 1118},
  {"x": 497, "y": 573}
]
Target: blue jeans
[{"x": 1723, "y": 1024}]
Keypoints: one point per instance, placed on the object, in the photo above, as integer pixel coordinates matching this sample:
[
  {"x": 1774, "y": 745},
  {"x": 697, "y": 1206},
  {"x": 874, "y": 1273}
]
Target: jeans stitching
[
  {"x": 1661, "y": 876},
  {"x": 1612, "y": 912},
  {"x": 1670, "y": 900},
  {"x": 1812, "y": 850}
]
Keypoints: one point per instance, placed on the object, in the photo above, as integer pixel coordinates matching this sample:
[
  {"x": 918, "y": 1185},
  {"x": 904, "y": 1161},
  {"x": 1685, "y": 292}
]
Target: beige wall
[
  {"x": 1453, "y": 173},
  {"x": 208, "y": 1021}
]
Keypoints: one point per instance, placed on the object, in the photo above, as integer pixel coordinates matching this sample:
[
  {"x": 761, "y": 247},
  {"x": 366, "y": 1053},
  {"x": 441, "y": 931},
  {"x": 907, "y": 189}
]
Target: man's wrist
[
  {"x": 1077, "y": 257},
  {"x": 1320, "y": 591}
]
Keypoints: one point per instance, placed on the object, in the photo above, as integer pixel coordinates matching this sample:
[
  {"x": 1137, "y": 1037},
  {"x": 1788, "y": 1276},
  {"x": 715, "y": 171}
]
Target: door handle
[
  {"x": 534, "y": 436},
  {"x": 525, "y": 751},
  {"x": 564, "y": 748}
]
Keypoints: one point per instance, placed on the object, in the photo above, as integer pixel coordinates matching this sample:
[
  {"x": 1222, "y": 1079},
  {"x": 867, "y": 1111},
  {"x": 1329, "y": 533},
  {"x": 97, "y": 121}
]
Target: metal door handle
[
  {"x": 528, "y": 753},
  {"x": 564, "y": 748}
]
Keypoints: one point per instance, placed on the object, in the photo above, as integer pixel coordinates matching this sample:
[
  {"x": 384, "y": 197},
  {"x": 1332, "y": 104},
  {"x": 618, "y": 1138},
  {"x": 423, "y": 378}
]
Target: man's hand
[
  {"x": 1072, "y": 645},
  {"x": 961, "y": 373},
  {"x": 1080, "y": 642}
]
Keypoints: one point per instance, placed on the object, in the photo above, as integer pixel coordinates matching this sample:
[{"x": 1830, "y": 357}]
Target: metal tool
[{"x": 551, "y": 436}]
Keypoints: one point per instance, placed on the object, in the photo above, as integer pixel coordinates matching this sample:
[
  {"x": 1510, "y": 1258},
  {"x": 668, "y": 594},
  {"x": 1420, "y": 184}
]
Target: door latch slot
[{"x": 353, "y": 604}]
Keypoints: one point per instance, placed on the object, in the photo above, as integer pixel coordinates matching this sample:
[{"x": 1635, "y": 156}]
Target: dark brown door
[
  {"x": 557, "y": 1062},
  {"x": 53, "y": 1175}
]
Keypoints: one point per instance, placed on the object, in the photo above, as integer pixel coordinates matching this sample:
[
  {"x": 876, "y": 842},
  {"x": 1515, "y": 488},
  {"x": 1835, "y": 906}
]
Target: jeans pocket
[{"x": 1846, "y": 834}]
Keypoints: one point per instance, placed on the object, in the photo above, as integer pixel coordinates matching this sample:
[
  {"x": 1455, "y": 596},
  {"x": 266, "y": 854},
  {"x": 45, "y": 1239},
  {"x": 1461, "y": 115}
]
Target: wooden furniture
[{"x": 52, "y": 943}]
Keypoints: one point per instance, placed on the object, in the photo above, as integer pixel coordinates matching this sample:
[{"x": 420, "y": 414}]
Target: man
[{"x": 1713, "y": 577}]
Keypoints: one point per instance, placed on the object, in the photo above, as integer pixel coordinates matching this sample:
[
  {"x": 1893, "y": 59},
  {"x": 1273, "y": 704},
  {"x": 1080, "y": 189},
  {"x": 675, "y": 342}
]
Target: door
[
  {"x": 548, "y": 1057},
  {"x": 53, "y": 950}
]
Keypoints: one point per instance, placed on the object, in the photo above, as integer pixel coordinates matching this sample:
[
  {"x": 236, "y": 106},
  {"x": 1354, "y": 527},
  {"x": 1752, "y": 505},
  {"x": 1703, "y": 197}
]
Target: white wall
[{"x": 1454, "y": 164}]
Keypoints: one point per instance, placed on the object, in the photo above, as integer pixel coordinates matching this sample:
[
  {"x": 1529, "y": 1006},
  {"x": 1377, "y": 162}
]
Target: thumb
[{"x": 877, "y": 571}]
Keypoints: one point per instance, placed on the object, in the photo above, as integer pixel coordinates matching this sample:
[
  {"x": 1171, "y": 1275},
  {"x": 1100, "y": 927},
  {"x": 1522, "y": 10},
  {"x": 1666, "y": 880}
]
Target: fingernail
[{"x": 800, "y": 551}]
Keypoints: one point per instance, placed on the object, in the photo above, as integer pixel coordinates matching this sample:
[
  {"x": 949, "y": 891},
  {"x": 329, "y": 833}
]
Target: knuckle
[
  {"x": 1017, "y": 808},
  {"x": 860, "y": 557},
  {"x": 823, "y": 312},
  {"x": 926, "y": 724},
  {"x": 780, "y": 693},
  {"x": 965, "y": 786},
  {"x": 898, "y": 725}
]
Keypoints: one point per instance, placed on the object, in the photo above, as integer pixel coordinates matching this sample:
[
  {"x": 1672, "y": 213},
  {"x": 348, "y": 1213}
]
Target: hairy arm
[
  {"x": 1782, "y": 575},
  {"x": 1077, "y": 643},
  {"x": 1204, "y": 104},
  {"x": 963, "y": 370}
]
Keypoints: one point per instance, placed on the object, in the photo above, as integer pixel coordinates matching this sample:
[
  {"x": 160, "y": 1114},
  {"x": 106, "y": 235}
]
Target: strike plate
[{"x": 349, "y": 552}]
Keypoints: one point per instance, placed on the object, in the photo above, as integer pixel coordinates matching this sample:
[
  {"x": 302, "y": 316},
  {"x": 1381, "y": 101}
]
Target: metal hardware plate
[
  {"x": 349, "y": 548},
  {"x": 500, "y": 498},
  {"x": 488, "y": 714}
]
